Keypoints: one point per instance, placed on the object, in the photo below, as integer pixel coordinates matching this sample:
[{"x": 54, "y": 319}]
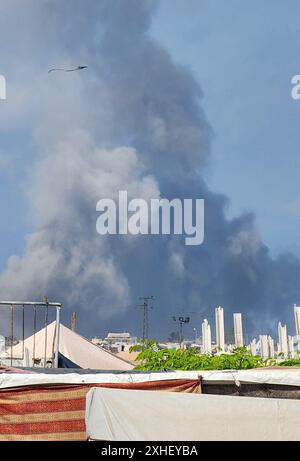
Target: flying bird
[{"x": 67, "y": 70}]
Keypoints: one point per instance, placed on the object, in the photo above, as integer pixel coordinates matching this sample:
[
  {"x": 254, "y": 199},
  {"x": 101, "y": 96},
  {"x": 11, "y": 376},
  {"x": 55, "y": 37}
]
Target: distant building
[
  {"x": 297, "y": 319},
  {"x": 271, "y": 347},
  {"x": 253, "y": 347},
  {"x": 169, "y": 345},
  {"x": 220, "y": 333},
  {"x": 264, "y": 346},
  {"x": 119, "y": 342},
  {"x": 291, "y": 349},
  {"x": 238, "y": 330},
  {"x": 282, "y": 340},
  {"x": 116, "y": 342},
  {"x": 267, "y": 348},
  {"x": 123, "y": 337},
  {"x": 206, "y": 337}
]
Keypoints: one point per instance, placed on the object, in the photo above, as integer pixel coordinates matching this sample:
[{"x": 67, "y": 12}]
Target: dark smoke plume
[{"x": 133, "y": 121}]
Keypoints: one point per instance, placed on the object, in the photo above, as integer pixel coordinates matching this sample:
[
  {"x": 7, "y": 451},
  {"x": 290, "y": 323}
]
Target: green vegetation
[
  {"x": 295, "y": 362},
  {"x": 290, "y": 363},
  {"x": 148, "y": 344},
  {"x": 153, "y": 358}
]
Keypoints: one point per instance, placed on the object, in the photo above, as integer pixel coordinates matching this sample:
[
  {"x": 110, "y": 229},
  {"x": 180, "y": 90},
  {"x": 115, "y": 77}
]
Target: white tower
[
  {"x": 206, "y": 337},
  {"x": 238, "y": 330},
  {"x": 220, "y": 334},
  {"x": 291, "y": 350},
  {"x": 283, "y": 340},
  {"x": 264, "y": 346},
  {"x": 271, "y": 347},
  {"x": 253, "y": 347},
  {"x": 297, "y": 319},
  {"x": 267, "y": 348}
]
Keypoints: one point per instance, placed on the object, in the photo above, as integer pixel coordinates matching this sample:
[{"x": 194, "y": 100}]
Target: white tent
[
  {"x": 72, "y": 346},
  {"x": 130, "y": 415}
]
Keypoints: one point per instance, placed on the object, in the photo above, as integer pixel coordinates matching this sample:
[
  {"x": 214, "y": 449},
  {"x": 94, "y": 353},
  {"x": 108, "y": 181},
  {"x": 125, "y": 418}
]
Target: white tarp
[
  {"x": 73, "y": 346},
  {"x": 282, "y": 376},
  {"x": 129, "y": 415},
  {"x": 15, "y": 380}
]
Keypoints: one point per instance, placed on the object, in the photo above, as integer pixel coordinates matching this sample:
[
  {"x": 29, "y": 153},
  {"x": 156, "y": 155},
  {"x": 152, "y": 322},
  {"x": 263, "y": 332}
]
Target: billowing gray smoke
[{"x": 132, "y": 121}]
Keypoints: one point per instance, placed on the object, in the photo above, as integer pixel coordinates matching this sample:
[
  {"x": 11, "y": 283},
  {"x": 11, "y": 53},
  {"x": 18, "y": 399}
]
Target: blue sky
[{"x": 244, "y": 55}]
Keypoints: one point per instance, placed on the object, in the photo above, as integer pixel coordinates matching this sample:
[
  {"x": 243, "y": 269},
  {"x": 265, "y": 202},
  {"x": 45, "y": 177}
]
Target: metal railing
[{"x": 12, "y": 305}]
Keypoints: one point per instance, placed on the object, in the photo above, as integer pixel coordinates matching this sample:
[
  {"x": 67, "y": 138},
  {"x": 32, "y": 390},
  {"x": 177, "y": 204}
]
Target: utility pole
[
  {"x": 73, "y": 321},
  {"x": 145, "y": 306},
  {"x": 181, "y": 321}
]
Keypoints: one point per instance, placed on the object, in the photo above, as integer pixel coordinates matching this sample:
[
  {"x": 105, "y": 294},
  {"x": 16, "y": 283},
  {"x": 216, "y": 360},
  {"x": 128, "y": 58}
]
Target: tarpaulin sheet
[
  {"x": 128, "y": 415},
  {"x": 281, "y": 375},
  {"x": 58, "y": 412}
]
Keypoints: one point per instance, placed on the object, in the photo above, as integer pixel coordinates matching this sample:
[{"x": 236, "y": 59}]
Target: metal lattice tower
[{"x": 145, "y": 306}]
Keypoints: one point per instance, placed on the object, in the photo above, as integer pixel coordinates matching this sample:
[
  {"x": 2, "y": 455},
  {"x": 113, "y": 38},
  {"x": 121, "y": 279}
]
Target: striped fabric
[{"x": 57, "y": 412}]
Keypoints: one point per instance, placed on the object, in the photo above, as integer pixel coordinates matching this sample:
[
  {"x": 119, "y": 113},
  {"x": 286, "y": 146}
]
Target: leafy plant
[
  {"x": 154, "y": 358},
  {"x": 290, "y": 363}
]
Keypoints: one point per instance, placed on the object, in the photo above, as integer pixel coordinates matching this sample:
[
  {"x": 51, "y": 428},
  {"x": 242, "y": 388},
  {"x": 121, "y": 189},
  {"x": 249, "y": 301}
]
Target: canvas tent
[
  {"x": 130, "y": 415},
  {"x": 73, "y": 348}
]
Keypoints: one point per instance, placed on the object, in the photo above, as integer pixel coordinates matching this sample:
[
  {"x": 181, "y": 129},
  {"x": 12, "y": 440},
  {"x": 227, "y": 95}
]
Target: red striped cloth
[{"x": 57, "y": 412}]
